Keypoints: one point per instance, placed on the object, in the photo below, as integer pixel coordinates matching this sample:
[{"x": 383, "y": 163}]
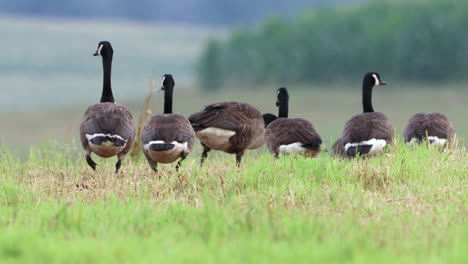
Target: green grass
[{"x": 407, "y": 206}]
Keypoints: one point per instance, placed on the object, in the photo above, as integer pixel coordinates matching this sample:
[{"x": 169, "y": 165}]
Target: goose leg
[
  {"x": 204, "y": 154},
  {"x": 179, "y": 163},
  {"x": 238, "y": 159},
  {"x": 152, "y": 164},
  {"x": 118, "y": 165},
  {"x": 90, "y": 161}
]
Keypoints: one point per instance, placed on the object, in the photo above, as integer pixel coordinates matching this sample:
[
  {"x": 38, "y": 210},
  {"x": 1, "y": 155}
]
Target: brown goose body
[
  {"x": 367, "y": 133},
  {"x": 292, "y": 136},
  {"x": 107, "y": 129},
  {"x": 167, "y": 137},
  {"x": 368, "y": 127},
  {"x": 231, "y": 127},
  {"x": 435, "y": 127}
]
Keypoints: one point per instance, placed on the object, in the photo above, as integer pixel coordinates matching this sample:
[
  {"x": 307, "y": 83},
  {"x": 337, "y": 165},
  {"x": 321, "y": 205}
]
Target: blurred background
[{"x": 223, "y": 50}]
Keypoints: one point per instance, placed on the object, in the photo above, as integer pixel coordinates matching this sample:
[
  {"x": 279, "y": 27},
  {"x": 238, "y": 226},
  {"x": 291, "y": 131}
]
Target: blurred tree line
[
  {"x": 406, "y": 40},
  {"x": 188, "y": 11}
]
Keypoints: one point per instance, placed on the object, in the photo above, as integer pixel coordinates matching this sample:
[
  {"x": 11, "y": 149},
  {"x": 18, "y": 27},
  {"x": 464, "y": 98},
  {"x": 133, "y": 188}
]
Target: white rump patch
[
  {"x": 377, "y": 81},
  {"x": 106, "y": 149},
  {"x": 178, "y": 147},
  {"x": 436, "y": 141},
  {"x": 377, "y": 145},
  {"x": 216, "y": 138},
  {"x": 292, "y": 148},
  {"x": 411, "y": 142},
  {"x": 89, "y": 137},
  {"x": 217, "y": 132},
  {"x": 99, "y": 49}
]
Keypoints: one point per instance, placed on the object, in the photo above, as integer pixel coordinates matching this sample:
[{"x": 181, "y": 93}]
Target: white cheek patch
[
  {"x": 377, "y": 81},
  {"x": 99, "y": 49},
  {"x": 90, "y": 137},
  {"x": 162, "y": 81},
  {"x": 377, "y": 145}
]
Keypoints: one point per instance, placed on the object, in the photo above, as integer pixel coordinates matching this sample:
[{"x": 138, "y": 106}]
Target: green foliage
[
  {"x": 406, "y": 206},
  {"x": 405, "y": 40},
  {"x": 211, "y": 65}
]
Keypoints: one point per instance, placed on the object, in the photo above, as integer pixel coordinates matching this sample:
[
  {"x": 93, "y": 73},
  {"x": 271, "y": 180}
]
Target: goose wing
[
  {"x": 227, "y": 115},
  {"x": 436, "y": 124},
  {"x": 285, "y": 131},
  {"x": 168, "y": 128},
  {"x": 367, "y": 126},
  {"x": 108, "y": 118}
]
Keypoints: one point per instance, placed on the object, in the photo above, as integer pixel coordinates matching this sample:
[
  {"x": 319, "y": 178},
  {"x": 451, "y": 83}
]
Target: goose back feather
[
  {"x": 229, "y": 126},
  {"x": 107, "y": 129},
  {"x": 167, "y": 137},
  {"x": 434, "y": 126},
  {"x": 292, "y": 136}
]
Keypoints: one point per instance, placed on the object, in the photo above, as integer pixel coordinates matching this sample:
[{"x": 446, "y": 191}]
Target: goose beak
[
  {"x": 162, "y": 88},
  {"x": 382, "y": 83},
  {"x": 96, "y": 54},
  {"x": 277, "y": 103}
]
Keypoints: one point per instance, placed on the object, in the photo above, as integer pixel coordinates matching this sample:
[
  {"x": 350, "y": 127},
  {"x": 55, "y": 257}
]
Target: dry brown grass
[{"x": 144, "y": 116}]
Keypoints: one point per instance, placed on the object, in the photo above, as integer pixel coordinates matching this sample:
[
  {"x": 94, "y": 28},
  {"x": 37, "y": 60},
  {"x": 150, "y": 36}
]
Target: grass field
[{"x": 407, "y": 206}]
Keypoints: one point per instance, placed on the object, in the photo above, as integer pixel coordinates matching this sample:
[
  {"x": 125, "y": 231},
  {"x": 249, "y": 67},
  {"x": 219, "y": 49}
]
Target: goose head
[
  {"x": 104, "y": 49},
  {"x": 373, "y": 79},
  {"x": 370, "y": 80},
  {"x": 167, "y": 82},
  {"x": 282, "y": 96}
]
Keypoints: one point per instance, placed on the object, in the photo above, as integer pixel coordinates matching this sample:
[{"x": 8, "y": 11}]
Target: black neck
[
  {"x": 168, "y": 101},
  {"x": 106, "y": 86},
  {"x": 283, "y": 109},
  {"x": 367, "y": 86}
]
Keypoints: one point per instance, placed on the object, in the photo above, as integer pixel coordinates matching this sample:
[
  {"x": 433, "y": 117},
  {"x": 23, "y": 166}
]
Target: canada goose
[
  {"x": 231, "y": 127},
  {"x": 107, "y": 128},
  {"x": 291, "y": 135},
  {"x": 367, "y": 133},
  {"x": 435, "y": 127},
  {"x": 167, "y": 137}
]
